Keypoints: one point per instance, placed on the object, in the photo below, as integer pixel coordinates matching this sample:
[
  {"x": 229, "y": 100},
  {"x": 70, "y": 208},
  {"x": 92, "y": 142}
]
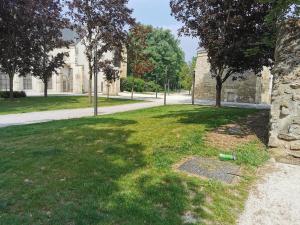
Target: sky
[{"x": 158, "y": 14}]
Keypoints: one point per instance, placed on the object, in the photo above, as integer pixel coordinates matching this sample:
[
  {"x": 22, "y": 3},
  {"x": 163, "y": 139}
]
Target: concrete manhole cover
[{"x": 211, "y": 169}]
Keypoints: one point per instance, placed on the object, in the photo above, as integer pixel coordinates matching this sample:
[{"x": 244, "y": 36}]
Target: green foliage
[
  {"x": 164, "y": 52},
  {"x": 139, "y": 85},
  {"x": 231, "y": 32},
  {"x": 16, "y": 94},
  {"x": 186, "y": 73},
  {"x": 282, "y": 9}
]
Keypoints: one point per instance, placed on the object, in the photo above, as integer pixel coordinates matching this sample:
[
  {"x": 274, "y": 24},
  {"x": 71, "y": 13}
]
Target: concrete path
[
  {"x": 276, "y": 198},
  {"x": 45, "y": 116},
  {"x": 151, "y": 101}
]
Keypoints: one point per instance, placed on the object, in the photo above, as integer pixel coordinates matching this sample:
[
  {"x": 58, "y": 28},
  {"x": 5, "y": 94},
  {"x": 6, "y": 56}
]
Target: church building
[{"x": 72, "y": 78}]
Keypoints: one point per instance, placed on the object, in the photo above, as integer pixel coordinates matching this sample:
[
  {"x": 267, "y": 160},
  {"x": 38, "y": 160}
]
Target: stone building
[
  {"x": 252, "y": 89},
  {"x": 72, "y": 78},
  {"x": 285, "y": 111}
]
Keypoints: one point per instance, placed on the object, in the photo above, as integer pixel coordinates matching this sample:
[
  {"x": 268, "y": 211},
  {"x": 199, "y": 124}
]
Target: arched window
[
  {"x": 27, "y": 82},
  {"x": 4, "y": 82}
]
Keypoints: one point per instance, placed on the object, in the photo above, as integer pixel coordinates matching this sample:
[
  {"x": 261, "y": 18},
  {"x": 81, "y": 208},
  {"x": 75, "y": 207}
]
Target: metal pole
[
  {"x": 156, "y": 86},
  {"x": 95, "y": 84},
  {"x": 193, "y": 90},
  {"x": 165, "y": 87}
]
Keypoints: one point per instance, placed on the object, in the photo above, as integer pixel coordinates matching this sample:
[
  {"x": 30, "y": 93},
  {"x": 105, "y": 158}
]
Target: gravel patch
[{"x": 276, "y": 198}]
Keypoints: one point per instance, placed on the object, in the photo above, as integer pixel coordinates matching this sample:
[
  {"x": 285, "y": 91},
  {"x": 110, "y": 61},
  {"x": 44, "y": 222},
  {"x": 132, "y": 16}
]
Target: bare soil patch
[{"x": 228, "y": 137}]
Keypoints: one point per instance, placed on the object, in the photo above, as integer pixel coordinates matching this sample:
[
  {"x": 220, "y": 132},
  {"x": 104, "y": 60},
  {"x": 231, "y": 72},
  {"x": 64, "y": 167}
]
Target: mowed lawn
[
  {"x": 34, "y": 104},
  {"x": 118, "y": 170}
]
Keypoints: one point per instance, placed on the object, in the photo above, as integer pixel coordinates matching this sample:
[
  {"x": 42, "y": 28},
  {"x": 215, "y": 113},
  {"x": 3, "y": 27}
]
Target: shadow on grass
[
  {"x": 208, "y": 116},
  {"x": 72, "y": 172}
]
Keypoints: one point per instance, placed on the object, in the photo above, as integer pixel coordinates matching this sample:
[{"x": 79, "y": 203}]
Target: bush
[
  {"x": 151, "y": 86},
  {"x": 17, "y": 94},
  {"x": 139, "y": 85}
]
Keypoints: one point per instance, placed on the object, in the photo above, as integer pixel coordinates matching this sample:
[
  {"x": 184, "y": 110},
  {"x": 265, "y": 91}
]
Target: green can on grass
[{"x": 227, "y": 157}]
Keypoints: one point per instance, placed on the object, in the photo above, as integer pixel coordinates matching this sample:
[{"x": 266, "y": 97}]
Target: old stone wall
[
  {"x": 253, "y": 89},
  {"x": 285, "y": 112}
]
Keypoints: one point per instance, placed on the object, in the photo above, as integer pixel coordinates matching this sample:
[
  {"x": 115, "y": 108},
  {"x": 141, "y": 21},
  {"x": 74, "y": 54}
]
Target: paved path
[
  {"x": 45, "y": 116},
  {"x": 276, "y": 198}
]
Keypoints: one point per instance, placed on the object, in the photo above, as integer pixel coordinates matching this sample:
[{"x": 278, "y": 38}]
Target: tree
[
  {"x": 232, "y": 33},
  {"x": 282, "y": 9},
  {"x": 14, "y": 39},
  {"x": 139, "y": 63},
  {"x": 186, "y": 74},
  {"x": 48, "y": 23},
  {"x": 101, "y": 24},
  {"x": 167, "y": 57},
  {"x": 111, "y": 74}
]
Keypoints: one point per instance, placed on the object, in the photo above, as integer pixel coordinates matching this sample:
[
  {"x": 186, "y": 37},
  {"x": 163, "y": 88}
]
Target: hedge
[
  {"x": 139, "y": 85},
  {"x": 16, "y": 94}
]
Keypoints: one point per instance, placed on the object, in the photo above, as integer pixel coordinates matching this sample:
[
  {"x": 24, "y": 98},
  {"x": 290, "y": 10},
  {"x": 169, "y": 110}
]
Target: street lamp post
[{"x": 95, "y": 84}]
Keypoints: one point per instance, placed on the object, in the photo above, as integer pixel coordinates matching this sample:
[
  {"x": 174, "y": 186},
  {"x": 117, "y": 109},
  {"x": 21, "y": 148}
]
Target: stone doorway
[{"x": 67, "y": 79}]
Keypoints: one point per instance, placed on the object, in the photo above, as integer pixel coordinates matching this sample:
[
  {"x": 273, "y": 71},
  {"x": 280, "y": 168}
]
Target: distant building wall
[
  {"x": 72, "y": 78},
  {"x": 252, "y": 89}
]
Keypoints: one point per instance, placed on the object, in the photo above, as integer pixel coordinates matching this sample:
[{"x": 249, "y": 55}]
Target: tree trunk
[
  {"x": 165, "y": 94},
  {"x": 132, "y": 89},
  {"x": 218, "y": 92},
  {"x": 46, "y": 88},
  {"x": 11, "y": 86},
  {"x": 156, "y": 86},
  {"x": 168, "y": 87},
  {"x": 90, "y": 91}
]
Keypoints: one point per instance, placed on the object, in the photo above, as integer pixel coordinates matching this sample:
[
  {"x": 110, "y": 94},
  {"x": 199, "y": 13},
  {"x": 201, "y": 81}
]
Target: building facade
[
  {"x": 252, "y": 89},
  {"x": 72, "y": 78}
]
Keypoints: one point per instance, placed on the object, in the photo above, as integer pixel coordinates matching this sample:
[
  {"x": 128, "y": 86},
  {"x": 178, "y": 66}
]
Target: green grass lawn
[
  {"x": 118, "y": 169},
  {"x": 34, "y": 104}
]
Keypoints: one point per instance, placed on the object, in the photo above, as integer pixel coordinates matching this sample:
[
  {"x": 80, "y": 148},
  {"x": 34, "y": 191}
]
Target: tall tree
[
  {"x": 139, "y": 62},
  {"x": 48, "y": 23},
  {"x": 232, "y": 33},
  {"x": 100, "y": 24},
  {"x": 166, "y": 55},
  {"x": 15, "y": 44}
]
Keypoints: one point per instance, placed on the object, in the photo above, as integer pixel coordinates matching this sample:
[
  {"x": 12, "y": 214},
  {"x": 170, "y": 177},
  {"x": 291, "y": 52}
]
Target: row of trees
[
  {"x": 237, "y": 35},
  {"x": 31, "y": 30},
  {"x": 154, "y": 55}
]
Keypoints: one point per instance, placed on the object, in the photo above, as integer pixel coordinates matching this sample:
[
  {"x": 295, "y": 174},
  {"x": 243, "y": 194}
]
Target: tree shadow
[
  {"x": 87, "y": 171},
  {"x": 208, "y": 116},
  {"x": 72, "y": 169},
  {"x": 160, "y": 199}
]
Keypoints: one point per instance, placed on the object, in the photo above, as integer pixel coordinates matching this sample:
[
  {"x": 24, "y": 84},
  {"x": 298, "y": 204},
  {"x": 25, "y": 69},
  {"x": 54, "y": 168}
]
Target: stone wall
[
  {"x": 253, "y": 89},
  {"x": 285, "y": 112}
]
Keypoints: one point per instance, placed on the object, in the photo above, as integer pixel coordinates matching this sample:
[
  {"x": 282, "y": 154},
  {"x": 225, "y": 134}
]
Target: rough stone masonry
[{"x": 285, "y": 111}]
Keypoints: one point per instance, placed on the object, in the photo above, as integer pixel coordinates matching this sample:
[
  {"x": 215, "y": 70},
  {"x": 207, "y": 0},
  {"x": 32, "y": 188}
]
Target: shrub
[
  {"x": 16, "y": 94},
  {"x": 151, "y": 86},
  {"x": 139, "y": 85}
]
